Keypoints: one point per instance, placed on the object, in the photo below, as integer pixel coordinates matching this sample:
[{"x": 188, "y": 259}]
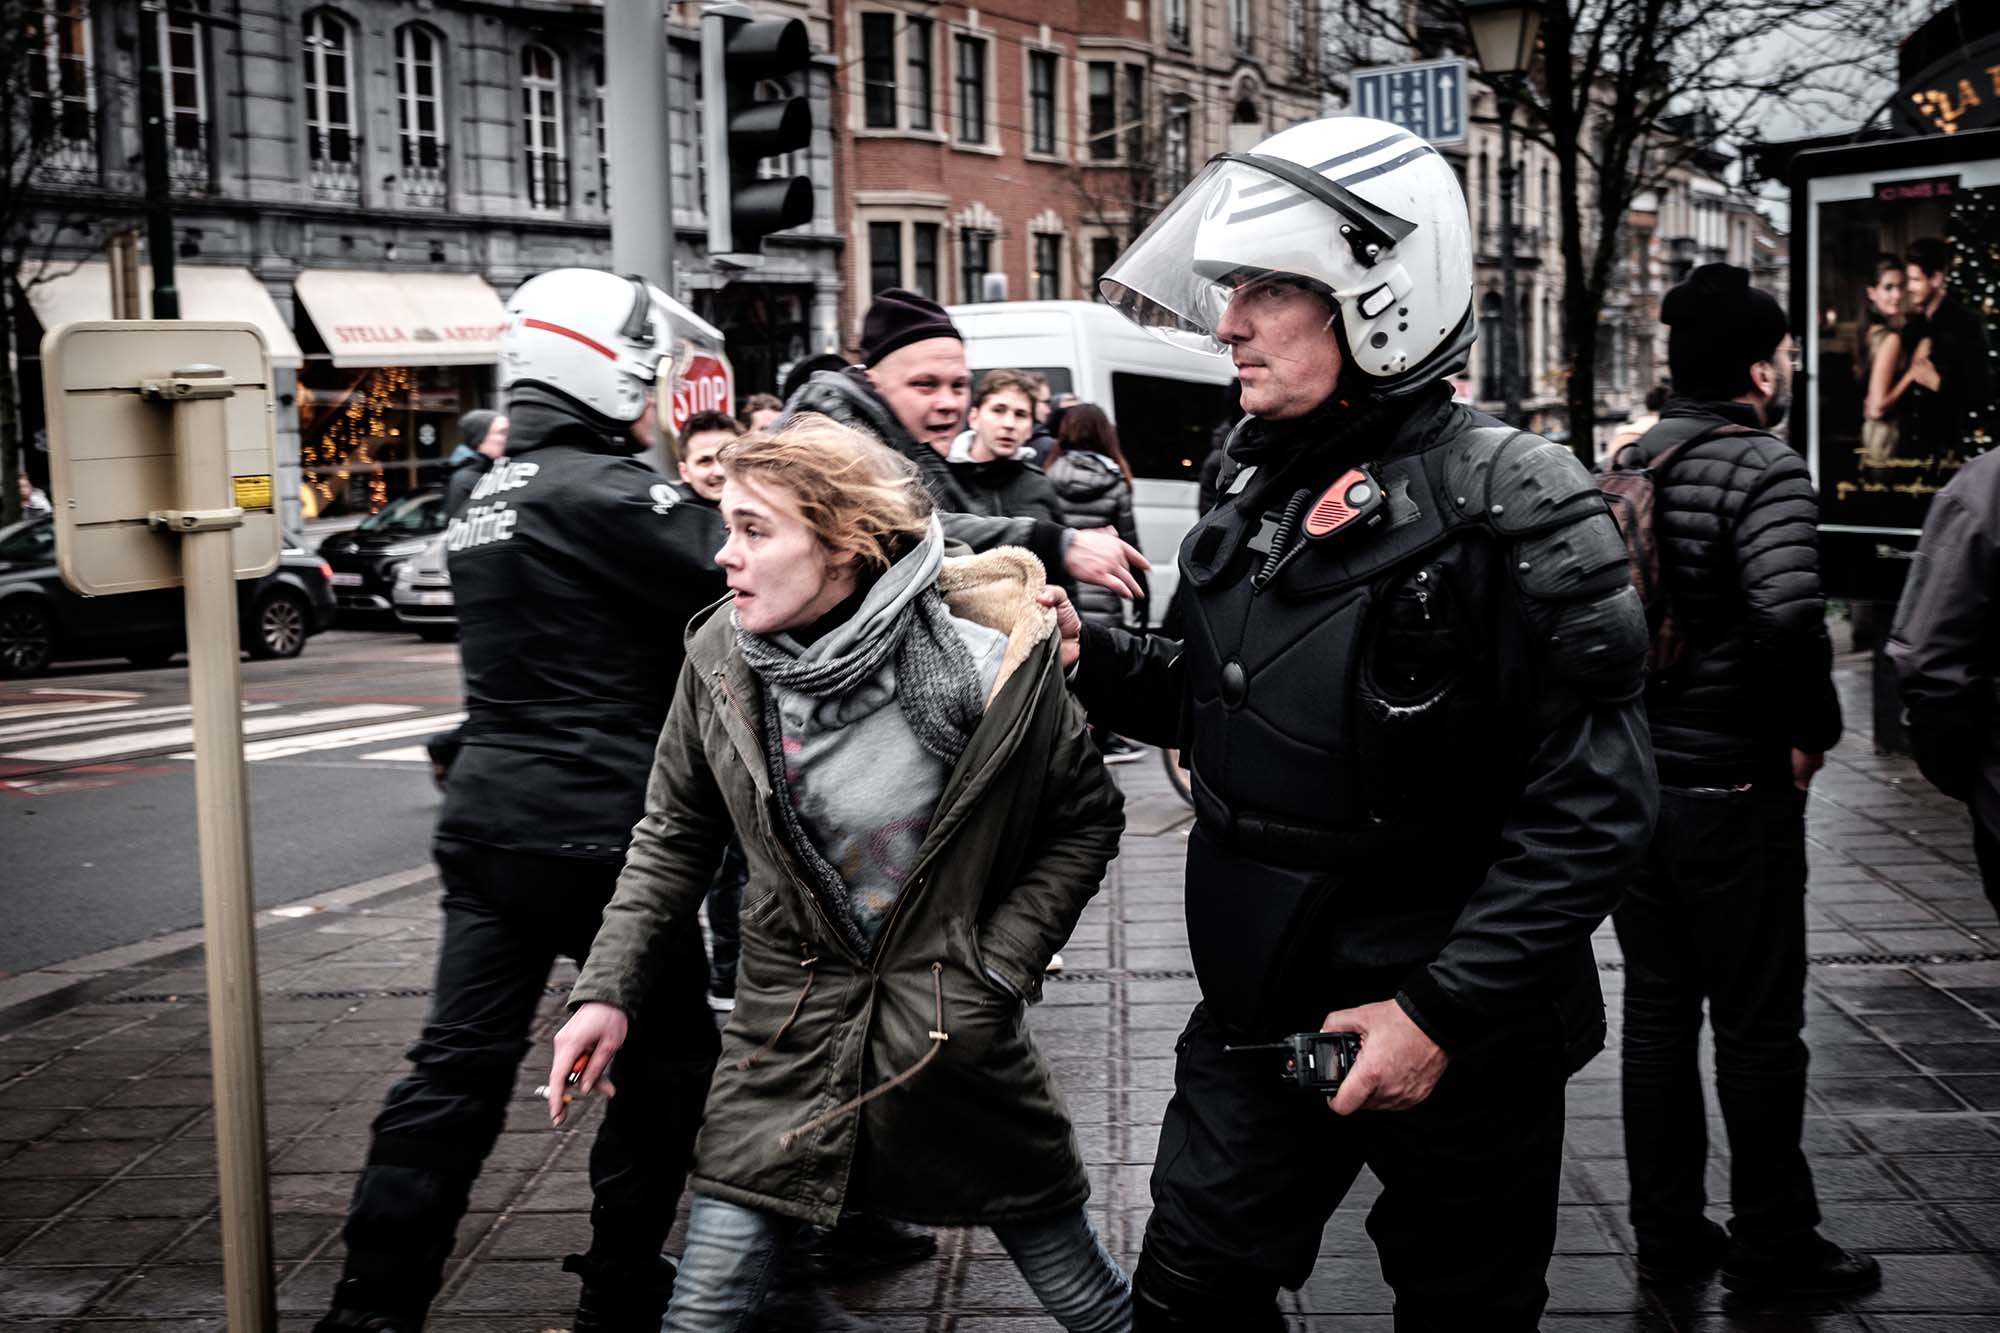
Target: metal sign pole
[{"x": 200, "y": 401}]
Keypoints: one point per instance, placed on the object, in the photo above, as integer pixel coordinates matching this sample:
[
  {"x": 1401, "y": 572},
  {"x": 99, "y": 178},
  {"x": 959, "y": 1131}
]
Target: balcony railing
[
  {"x": 334, "y": 173},
  {"x": 1527, "y": 240},
  {"x": 189, "y": 169},
  {"x": 426, "y": 178},
  {"x": 548, "y": 180},
  {"x": 67, "y": 134}
]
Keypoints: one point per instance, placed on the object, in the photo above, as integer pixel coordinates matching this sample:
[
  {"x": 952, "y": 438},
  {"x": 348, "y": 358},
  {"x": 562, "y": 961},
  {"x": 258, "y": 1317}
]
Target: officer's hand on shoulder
[{"x": 1398, "y": 1065}]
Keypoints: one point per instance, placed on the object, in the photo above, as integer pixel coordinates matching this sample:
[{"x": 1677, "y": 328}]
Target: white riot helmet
[
  {"x": 594, "y": 337},
  {"x": 1365, "y": 212}
]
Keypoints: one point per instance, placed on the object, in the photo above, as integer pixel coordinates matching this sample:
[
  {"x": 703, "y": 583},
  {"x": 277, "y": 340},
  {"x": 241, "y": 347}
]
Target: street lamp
[{"x": 1503, "y": 37}]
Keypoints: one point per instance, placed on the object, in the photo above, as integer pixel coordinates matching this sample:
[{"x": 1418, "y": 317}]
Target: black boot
[
  {"x": 620, "y": 1299},
  {"x": 1812, "y": 1266},
  {"x": 1683, "y": 1260},
  {"x": 358, "y": 1310}
]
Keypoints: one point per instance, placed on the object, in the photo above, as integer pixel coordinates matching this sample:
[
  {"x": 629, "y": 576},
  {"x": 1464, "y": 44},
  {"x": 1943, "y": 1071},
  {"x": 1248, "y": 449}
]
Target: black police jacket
[
  {"x": 1418, "y": 749},
  {"x": 575, "y": 568}
]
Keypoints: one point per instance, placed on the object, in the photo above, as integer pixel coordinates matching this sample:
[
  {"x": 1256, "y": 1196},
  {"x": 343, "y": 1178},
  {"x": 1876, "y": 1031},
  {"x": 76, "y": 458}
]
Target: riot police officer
[
  {"x": 1409, "y": 695},
  {"x": 576, "y": 568}
]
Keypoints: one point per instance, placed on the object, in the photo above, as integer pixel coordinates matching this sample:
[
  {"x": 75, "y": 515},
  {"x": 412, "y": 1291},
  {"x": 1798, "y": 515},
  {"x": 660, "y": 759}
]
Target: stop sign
[{"x": 704, "y": 386}]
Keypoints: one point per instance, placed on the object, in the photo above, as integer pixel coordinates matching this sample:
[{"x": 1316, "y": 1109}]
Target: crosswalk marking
[
  {"x": 408, "y": 754},
  {"x": 51, "y": 709},
  {"x": 170, "y": 738},
  {"x": 77, "y": 726},
  {"x": 288, "y": 746}
]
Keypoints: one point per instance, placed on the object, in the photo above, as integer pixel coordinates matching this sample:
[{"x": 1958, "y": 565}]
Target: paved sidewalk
[{"x": 107, "y": 1195}]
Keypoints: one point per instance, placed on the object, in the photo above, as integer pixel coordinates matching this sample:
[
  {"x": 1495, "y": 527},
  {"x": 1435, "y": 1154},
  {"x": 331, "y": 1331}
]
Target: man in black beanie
[
  {"x": 911, "y": 391},
  {"x": 1741, "y": 721}
]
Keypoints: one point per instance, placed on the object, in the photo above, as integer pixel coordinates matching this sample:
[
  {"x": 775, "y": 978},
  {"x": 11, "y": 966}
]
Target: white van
[{"x": 1166, "y": 401}]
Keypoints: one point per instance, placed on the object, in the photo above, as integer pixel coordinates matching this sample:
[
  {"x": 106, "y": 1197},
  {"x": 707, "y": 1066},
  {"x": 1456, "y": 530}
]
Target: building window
[
  {"x": 1042, "y": 101},
  {"x": 885, "y": 257},
  {"x": 1134, "y": 111},
  {"x": 329, "y": 94},
  {"x": 917, "y": 43},
  {"x": 542, "y": 128},
  {"x": 419, "y": 109},
  {"x": 1047, "y": 277},
  {"x": 184, "y": 78},
  {"x": 63, "y": 102},
  {"x": 924, "y": 258},
  {"x": 1103, "y": 111},
  {"x": 971, "y": 53},
  {"x": 1239, "y": 25},
  {"x": 1295, "y": 14},
  {"x": 1179, "y": 163},
  {"x": 1490, "y": 387},
  {"x": 1103, "y": 254},
  {"x": 603, "y": 149},
  {"x": 1177, "y": 23},
  {"x": 878, "y": 70},
  {"x": 975, "y": 260}
]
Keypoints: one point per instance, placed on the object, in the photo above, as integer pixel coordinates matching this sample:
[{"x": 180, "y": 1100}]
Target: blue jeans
[{"x": 734, "y": 1253}]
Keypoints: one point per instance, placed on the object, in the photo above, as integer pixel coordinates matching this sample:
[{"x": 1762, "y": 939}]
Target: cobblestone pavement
[{"x": 107, "y": 1192}]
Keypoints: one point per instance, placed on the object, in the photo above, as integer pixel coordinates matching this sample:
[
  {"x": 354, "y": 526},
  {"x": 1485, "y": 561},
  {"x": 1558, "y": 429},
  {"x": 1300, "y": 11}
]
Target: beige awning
[
  {"x": 207, "y": 291},
  {"x": 403, "y": 319}
]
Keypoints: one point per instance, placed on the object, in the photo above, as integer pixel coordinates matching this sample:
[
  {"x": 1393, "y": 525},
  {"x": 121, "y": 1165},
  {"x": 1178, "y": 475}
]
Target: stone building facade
[
  {"x": 373, "y": 151},
  {"x": 1011, "y": 151}
]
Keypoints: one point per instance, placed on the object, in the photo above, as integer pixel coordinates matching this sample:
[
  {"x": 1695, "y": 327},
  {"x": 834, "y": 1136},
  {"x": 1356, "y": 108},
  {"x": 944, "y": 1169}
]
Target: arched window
[
  {"x": 542, "y": 128},
  {"x": 420, "y": 112},
  {"x": 184, "y": 81},
  {"x": 62, "y": 95},
  {"x": 329, "y": 70}
]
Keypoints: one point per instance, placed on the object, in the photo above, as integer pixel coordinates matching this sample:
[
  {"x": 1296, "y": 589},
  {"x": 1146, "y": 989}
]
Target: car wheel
[
  {"x": 437, "y": 633},
  {"x": 151, "y": 656},
  {"x": 279, "y": 627},
  {"x": 27, "y": 637}
]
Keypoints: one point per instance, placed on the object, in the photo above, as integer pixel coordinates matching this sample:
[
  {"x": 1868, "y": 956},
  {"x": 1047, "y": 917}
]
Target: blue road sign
[{"x": 1428, "y": 100}]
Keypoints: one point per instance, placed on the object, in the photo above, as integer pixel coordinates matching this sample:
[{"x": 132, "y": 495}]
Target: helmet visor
[{"x": 1236, "y": 223}]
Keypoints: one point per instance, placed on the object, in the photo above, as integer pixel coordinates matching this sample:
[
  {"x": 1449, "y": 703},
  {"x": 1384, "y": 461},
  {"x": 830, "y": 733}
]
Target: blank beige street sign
[{"x": 112, "y": 454}]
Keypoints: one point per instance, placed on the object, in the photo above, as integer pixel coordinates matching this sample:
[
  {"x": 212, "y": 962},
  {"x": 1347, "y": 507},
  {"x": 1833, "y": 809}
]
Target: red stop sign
[{"x": 704, "y": 386}]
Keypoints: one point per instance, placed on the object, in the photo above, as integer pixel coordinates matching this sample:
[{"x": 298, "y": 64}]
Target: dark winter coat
[
  {"x": 848, "y": 397},
  {"x": 1009, "y": 488},
  {"x": 1737, "y": 523},
  {"x": 1095, "y": 494},
  {"x": 575, "y": 568},
  {"x": 1946, "y": 641},
  {"x": 1028, "y": 821},
  {"x": 462, "y": 472}
]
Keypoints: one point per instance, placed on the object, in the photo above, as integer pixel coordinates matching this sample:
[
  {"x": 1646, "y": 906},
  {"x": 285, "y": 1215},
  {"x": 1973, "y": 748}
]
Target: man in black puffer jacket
[{"x": 1740, "y": 724}]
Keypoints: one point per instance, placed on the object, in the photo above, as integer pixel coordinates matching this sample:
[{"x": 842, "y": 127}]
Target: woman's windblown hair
[{"x": 858, "y": 496}]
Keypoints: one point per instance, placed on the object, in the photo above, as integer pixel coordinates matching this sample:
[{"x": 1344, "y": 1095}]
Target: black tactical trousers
[
  {"x": 1250, "y": 1167},
  {"x": 508, "y": 915},
  {"x": 1718, "y": 914}
]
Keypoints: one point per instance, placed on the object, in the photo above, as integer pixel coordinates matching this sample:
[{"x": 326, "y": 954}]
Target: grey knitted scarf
[{"x": 937, "y": 682}]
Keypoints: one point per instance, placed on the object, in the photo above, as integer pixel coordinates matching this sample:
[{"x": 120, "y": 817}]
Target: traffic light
[{"x": 738, "y": 53}]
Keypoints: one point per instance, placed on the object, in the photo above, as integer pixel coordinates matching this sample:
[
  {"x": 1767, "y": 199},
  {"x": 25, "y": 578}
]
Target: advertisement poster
[{"x": 1903, "y": 348}]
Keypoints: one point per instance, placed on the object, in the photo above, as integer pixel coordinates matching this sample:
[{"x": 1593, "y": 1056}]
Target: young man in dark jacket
[
  {"x": 1740, "y": 724},
  {"x": 910, "y": 393},
  {"x": 1943, "y": 645},
  {"x": 988, "y": 456},
  {"x": 576, "y": 568}
]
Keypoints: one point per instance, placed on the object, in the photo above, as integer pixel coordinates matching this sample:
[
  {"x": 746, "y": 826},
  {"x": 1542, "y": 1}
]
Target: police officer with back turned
[
  {"x": 576, "y": 568},
  {"x": 1409, "y": 693}
]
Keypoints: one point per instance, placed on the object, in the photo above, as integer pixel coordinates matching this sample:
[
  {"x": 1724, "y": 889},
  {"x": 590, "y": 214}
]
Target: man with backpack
[{"x": 1742, "y": 708}]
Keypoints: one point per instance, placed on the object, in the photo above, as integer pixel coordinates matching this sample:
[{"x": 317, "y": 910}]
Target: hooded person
[
  {"x": 1388, "y": 583},
  {"x": 482, "y": 438},
  {"x": 910, "y": 392},
  {"x": 576, "y": 568}
]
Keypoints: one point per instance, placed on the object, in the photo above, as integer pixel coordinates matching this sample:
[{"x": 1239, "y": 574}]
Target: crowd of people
[{"x": 849, "y": 687}]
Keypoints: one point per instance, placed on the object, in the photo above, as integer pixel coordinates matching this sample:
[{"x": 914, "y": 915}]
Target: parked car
[
  {"x": 422, "y": 595},
  {"x": 1166, "y": 401},
  {"x": 42, "y": 621},
  {"x": 366, "y": 557}
]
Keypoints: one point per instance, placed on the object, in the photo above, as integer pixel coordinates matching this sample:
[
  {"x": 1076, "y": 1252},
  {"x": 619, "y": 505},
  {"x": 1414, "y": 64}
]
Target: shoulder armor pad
[
  {"x": 1598, "y": 645},
  {"x": 1517, "y": 483}
]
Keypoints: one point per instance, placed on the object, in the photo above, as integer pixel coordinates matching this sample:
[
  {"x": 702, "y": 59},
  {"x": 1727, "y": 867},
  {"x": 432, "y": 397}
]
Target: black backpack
[{"x": 1632, "y": 494}]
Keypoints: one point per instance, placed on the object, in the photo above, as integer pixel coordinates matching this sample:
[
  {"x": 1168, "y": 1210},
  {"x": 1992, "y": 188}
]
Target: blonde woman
[{"x": 924, "y": 820}]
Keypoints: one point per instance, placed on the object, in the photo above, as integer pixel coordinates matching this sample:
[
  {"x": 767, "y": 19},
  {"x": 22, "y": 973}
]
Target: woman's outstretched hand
[{"x": 593, "y": 1035}]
